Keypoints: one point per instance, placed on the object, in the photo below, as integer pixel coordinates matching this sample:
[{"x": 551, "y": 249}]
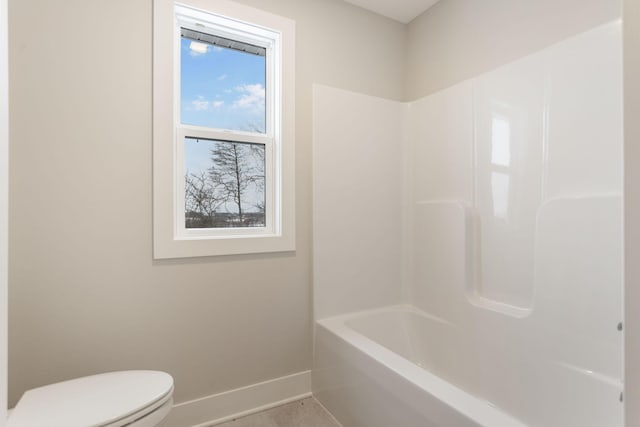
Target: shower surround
[{"x": 468, "y": 247}]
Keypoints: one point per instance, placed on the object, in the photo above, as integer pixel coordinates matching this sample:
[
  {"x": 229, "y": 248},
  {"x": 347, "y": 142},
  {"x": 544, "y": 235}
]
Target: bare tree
[
  {"x": 235, "y": 170},
  {"x": 258, "y": 155},
  {"x": 253, "y": 126},
  {"x": 202, "y": 197}
]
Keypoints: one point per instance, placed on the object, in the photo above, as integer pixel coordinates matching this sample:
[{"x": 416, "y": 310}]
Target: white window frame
[{"x": 238, "y": 22}]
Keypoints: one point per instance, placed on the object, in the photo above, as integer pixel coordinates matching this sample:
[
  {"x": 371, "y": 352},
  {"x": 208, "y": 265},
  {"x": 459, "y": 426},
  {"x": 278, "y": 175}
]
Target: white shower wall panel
[
  {"x": 439, "y": 129},
  {"x": 441, "y": 260},
  {"x": 508, "y": 117},
  {"x": 529, "y": 269},
  {"x": 584, "y": 101},
  {"x": 357, "y": 203}
]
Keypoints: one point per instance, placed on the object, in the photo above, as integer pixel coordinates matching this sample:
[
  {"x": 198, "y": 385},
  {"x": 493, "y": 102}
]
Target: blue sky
[{"x": 221, "y": 88}]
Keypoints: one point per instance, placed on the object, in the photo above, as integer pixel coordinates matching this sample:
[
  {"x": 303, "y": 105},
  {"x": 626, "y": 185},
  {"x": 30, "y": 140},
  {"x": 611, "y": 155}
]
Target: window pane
[
  {"x": 224, "y": 184},
  {"x": 222, "y": 83}
]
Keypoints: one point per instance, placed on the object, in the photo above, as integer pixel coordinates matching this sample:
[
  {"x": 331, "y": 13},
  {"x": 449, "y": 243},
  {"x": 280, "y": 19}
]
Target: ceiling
[{"x": 400, "y": 10}]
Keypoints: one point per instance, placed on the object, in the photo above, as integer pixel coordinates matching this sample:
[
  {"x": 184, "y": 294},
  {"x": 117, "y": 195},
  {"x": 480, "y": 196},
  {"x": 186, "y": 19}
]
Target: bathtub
[{"x": 376, "y": 369}]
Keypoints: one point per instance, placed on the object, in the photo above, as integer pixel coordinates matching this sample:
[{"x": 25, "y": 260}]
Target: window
[{"x": 223, "y": 130}]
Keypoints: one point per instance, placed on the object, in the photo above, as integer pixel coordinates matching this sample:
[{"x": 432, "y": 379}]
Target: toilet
[{"x": 114, "y": 399}]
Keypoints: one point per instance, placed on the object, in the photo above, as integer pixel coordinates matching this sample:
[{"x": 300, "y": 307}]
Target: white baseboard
[{"x": 221, "y": 407}]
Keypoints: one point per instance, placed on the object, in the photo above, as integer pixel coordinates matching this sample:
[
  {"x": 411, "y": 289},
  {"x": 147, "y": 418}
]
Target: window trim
[{"x": 236, "y": 21}]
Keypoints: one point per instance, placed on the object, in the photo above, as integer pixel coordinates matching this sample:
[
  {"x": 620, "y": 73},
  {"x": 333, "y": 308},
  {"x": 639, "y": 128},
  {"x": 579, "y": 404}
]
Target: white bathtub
[
  {"x": 400, "y": 367},
  {"x": 379, "y": 369}
]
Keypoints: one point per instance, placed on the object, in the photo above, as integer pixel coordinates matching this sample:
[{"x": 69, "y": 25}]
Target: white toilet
[{"x": 115, "y": 399}]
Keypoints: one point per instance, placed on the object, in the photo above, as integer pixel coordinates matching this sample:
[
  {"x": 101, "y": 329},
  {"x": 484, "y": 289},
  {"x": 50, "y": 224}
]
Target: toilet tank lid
[{"x": 97, "y": 400}]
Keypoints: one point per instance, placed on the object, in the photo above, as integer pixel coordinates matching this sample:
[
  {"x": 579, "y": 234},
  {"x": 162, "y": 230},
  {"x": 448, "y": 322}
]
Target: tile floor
[{"x": 302, "y": 413}]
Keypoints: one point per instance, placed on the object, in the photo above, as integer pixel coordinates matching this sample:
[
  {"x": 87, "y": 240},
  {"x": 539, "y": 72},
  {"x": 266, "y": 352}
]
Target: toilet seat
[{"x": 113, "y": 399}]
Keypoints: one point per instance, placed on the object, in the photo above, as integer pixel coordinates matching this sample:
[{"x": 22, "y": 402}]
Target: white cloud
[
  {"x": 200, "y": 104},
  {"x": 222, "y": 77},
  {"x": 251, "y": 97},
  {"x": 197, "y": 48},
  {"x": 203, "y": 104}
]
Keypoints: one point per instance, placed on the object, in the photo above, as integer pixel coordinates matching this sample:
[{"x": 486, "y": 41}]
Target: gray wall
[
  {"x": 85, "y": 294},
  {"x": 632, "y": 209},
  {"x": 459, "y": 39},
  {"x": 4, "y": 201}
]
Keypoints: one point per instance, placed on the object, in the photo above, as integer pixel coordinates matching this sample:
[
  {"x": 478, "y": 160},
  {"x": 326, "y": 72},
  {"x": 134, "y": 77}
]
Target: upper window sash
[{"x": 203, "y": 22}]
